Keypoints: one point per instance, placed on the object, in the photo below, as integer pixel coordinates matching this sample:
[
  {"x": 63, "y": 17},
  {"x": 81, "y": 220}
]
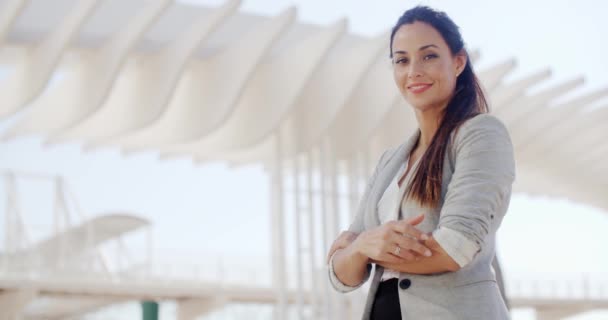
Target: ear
[{"x": 460, "y": 61}]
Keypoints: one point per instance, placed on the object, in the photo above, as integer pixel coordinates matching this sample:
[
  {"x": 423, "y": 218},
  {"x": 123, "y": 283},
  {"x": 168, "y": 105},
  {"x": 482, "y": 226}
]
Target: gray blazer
[{"x": 478, "y": 172}]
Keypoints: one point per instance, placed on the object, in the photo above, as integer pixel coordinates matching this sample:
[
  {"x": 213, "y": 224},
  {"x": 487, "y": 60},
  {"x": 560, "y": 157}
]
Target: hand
[
  {"x": 344, "y": 240},
  {"x": 381, "y": 243},
  {"x": 431, "y": 243}
]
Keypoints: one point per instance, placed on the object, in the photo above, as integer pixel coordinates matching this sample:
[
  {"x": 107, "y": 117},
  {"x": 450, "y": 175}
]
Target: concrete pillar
[
  {"x": 556, "y": 313},
  {"x": 191, "y": 309},
  {"x": 12, "y": 302}
]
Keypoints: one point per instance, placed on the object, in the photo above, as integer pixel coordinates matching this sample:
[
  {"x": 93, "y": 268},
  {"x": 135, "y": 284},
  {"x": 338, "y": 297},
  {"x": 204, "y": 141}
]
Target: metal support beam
[
  {"x": 298, "y": 235},
  {"x": 278, "y": 233},
  {"x": 314, "y": 291}
]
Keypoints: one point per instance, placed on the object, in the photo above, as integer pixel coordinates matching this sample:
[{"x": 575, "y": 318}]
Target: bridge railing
[{"x": 558, "y": 286}]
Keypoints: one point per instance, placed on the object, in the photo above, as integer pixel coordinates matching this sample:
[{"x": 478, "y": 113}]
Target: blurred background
[{"x": 195, "y": 159}]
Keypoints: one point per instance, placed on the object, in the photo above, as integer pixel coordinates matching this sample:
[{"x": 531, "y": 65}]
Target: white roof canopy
[{"x": 216, "y": 83}]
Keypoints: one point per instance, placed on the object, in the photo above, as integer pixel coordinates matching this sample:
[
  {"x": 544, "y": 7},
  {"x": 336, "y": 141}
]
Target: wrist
[{"x": 356, "y": 255}]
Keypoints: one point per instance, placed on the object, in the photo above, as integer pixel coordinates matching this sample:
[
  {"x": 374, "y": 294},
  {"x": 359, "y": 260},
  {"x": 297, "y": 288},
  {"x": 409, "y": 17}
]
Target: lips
[{"x": 419, "y": 87}]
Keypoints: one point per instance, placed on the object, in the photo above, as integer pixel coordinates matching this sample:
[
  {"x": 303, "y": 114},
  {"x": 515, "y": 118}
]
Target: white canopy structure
[
  {"x": 215, "y": 83},
  {"x": 219, "y": 84}
]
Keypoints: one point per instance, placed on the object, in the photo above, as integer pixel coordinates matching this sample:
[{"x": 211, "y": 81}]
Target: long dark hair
[{"x": 468, "y": 101}]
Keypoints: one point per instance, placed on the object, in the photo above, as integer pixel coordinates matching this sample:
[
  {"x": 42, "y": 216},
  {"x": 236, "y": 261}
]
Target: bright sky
[{"x": 552, "y": 236}]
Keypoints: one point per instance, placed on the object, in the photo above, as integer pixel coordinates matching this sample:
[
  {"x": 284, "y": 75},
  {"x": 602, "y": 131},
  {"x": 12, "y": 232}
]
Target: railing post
[{"x": 149, "y": 310}]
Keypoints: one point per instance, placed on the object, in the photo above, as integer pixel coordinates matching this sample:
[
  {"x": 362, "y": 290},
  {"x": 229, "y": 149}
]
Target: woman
[{"x": 429, "y": 216}]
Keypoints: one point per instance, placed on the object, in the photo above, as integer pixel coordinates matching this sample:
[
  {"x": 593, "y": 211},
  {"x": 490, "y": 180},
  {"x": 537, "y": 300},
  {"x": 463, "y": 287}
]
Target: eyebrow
[{"x": 420, "y": 49}]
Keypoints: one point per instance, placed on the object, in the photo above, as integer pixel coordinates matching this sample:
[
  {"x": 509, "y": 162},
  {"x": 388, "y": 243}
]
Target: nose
[{"x": 415, "y": 70}]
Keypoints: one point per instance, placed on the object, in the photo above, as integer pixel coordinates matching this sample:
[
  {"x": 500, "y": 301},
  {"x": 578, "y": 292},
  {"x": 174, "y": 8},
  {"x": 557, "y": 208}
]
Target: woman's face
[{"x": 424, "y": 68}]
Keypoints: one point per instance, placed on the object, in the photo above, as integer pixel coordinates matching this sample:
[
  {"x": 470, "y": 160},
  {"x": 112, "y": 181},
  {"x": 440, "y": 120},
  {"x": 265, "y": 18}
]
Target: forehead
[{"x": 410, "y": 37}]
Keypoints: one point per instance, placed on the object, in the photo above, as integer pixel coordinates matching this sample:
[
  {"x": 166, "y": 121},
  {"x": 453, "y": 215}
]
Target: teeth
[{"x": 418, "y": 87}]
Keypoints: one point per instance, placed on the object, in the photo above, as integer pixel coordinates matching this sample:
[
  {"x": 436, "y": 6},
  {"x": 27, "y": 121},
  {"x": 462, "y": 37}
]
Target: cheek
[
  {"x": 448, "y": 78},
  {"x": 451, "y": 82},
  {"x": 399, "y": 76}
]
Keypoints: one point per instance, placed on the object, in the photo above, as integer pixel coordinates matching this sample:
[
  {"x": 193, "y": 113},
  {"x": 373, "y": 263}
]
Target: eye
[
  {"x": 401, "y": 61},
  {"x": 430, "y": 56}
]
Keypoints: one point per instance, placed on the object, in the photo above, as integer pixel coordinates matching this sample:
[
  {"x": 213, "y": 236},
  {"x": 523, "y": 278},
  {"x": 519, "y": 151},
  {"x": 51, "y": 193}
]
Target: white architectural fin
[
  {"x": 209, "y": 91},
  {"x": 146, "y": 84},
  {"x": 32, "y": 76},
  {"x": 88, "y": 82}
]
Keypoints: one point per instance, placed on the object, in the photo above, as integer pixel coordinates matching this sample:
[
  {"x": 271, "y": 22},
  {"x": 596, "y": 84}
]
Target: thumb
[{"x": 415, "y": 220}]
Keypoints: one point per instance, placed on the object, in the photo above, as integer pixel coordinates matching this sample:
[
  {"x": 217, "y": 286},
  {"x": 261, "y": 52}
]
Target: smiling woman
[
  {"x": 429, "y": 216},
  {"x": 427, "y": 68}
]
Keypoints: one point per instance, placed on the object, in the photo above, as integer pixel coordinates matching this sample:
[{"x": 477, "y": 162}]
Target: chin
[{"x": 419, "y": 107}]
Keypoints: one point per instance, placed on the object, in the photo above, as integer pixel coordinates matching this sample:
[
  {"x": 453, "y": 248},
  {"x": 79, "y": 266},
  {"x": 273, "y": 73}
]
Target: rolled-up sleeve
[
  {"x": 484, "y": 171},
  {"x": 339, "y": 285},
  {"x": 456, "y": 245}
]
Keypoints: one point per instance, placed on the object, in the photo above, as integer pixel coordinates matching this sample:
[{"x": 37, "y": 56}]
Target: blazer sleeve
[
  {"x": 484, "y": 171},
  {"x": 357, "y": 226}
]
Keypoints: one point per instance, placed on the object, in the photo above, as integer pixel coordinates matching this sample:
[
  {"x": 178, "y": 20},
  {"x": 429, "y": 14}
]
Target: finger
[
  {"x": 404, "y": 254},
  {"x": 390, "y": 258},
  {"x": 406, "y": 229},
  {"x": 415, "y": 220},
  {"x": 401, "y": 252},
  {"x": 413, "y": 245},
  {"x": 432, "y": 243}
]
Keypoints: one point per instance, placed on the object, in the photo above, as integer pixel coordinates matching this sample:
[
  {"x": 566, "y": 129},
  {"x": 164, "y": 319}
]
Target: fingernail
[
  {"x": 427, "y": 253},
  {"x": 424, "y": 237}
]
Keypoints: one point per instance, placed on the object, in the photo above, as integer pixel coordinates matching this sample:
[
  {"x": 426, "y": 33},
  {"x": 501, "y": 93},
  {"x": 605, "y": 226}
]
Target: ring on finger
[
  {"x": 410, "y": 236},
  {"x": 397, "y": 250}
]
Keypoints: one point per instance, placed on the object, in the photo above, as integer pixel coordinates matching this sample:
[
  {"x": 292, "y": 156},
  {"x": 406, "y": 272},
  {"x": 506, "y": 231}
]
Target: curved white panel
[
  {"x": 364, "y": 110},
  {"x": 9, "y": 11},
  {"x": 209, "y": 90},
  {"x": 508, "y": 92},
  {"x": 544, "y": 119},
  {"x": 227, "y": 96},
  {"x": 330, "y": 91},
  {"x": 269, "y": 96},
  {"x": 31, "y": 77},
  {"x": 492, "y": 77},
  {"x": 145, "y": 85},
  {"x": 87, "y": 84},
  {"x": 592, "y": 138},
  {"x": 576, "y": 170},
  {"x": 516, "y": 111},
  {"x": 316, "y": 108},
  {"x": 570, "y": 129},
  {"x": 598, "y": 154}
]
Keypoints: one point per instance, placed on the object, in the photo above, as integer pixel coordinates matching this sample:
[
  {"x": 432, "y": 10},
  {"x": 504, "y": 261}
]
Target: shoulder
[
  {"x": 482, "y": 122},
  {"x": 386, "y": 156},
  {"x": 483, "y": 127}
]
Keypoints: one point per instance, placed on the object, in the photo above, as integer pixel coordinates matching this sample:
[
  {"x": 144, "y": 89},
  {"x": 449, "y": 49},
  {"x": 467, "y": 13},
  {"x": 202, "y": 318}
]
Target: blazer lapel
[{"x": 390, "y": 170}]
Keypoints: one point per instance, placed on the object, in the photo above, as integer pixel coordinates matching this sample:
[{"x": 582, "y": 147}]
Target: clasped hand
[{"x": 392, "y": 242}]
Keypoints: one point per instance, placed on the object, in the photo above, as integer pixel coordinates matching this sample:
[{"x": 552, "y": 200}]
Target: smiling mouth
[{"x": 419, "y": 88}]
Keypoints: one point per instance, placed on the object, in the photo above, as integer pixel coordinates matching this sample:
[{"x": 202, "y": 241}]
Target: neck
[{"x": 428, "y": 122}]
